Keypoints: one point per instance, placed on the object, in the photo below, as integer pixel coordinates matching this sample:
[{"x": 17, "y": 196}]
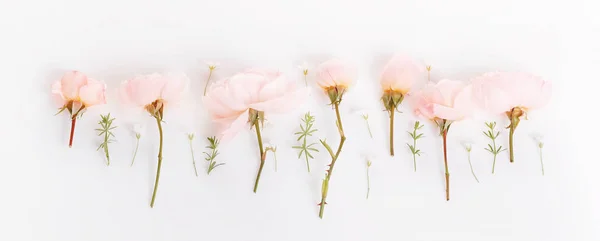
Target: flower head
[
  {"x": 212, "y": 65},
  {"x": 153, "y": 92},
  {"x": 304, "y": 68},
  {"x": 76, "y": 89},
  {"x": 501, "y": 92},
  {"x": 248, "y": 95},
  {"x": 448, "y": 100},
  {"x": 400, "y": 74},
  {"x": 335, "y": 77}
]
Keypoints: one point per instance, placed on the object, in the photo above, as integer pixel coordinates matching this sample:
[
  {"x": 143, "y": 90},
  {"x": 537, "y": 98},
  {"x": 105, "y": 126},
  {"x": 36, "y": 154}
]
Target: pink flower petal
[
  {"x": 92, "y": 93},
  {"x": 71, "y": 82}
]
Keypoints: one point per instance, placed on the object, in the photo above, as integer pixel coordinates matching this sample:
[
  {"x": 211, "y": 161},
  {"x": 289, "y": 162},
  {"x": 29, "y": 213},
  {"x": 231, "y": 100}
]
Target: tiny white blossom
[
  {"x": 304, "y": 67},
  {"x": 467, "y": 145},
  {"x": 212, "y": 65},
  {"x": 138, "y": 129}
]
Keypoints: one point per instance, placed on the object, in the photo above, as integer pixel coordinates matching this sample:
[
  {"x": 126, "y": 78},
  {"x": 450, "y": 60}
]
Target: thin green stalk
[
  {"x": 333, "y": 160},
  {"x": 137, "y": 144},
  {"x": 208, "y": 80},
  {"x": 191, "y": 138},
  {"x": 495, "y": 154},
  {"x": 510, "y": 143},
  {"x": 368, "y": 179},
  {"x": 106, "y": 148},
  {"x": 470, "y": 165},
  {"x": 444, "y": 135},
  {"x": 160, "y": 131},
  {"x": 262, "y": 154},
  {"x": 541, "y": 160},
  {"x": 392, "y": 132}
]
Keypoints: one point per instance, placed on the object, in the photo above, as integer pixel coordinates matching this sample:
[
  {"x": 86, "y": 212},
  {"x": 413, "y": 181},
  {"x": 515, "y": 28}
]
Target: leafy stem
[
  {"x": 334, "y": 157},
  {"x": 212, "y": 154},
  {"x": 413, "y": 148},
  {"x": 306, "y": 131},
  {"x": 492, "y": 148},
  {"x": 106, "y": 131}
]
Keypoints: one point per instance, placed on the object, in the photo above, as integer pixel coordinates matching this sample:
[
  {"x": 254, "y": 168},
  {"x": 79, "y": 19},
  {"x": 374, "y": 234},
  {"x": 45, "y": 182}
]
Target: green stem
[
  {"x": 510, "y": 142},
  {"x": 541, "y": 161},
  {"x": 262, "y": 154},
  {"x": 369, "y": 128},
  {"x": 415, "y": 147},
  {"x": 137, "y": 144},
  {"x": 472, "y": 171},
  {"x": 392, "y": 132},
  {"x": 444, "y": 135},
  {"x": 495, "y": 154},
  {"x": 333, "y": 160},
  {"x": 306, "y": 155},
  {"x": 160, "y": 131},
  {"x": 368, "y": 183},
  {"x": 207, "y": 80},
  {"x": 193, "y": 159}
]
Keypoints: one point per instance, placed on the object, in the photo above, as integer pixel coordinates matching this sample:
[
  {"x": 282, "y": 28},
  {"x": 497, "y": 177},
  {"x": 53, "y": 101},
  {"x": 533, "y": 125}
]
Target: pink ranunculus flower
[
  {"x": 397, "y": 79},
  {"x": 75, "y": 92},
  {"x": 244, "y": 99},
  {"x": 512, "y": 94},
  {"x": 154, "y": 93},
  {"x": 335, "y": 77},
  {"x": 445, "y": 102}
]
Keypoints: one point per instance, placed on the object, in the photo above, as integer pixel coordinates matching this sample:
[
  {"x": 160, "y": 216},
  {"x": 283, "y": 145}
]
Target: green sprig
[
  {"x": 210, "y": 157},
  {"x": 306, "y": 131},
  {"x": 106, "y": 130},
  {"x": 366, "y": 118},
  {"x": 274, "y": 150},
  {"x": 413, "y": 148},
  {"x": 493, "y": 134}
]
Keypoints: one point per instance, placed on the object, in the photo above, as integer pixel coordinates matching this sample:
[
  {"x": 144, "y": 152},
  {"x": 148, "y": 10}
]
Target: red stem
[
  {"x": 73, "y": 119},
  {"x": 444, "y": 134}
]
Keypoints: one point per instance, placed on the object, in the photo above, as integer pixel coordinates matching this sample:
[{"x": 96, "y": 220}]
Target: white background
[{"x": 51, "y": 192}]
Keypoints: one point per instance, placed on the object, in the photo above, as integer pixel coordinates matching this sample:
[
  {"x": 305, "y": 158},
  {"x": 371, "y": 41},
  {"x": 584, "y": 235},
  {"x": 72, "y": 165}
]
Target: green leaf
[
  {"x": 419, "y": 136},
  {"x": 297, "y": 147}
]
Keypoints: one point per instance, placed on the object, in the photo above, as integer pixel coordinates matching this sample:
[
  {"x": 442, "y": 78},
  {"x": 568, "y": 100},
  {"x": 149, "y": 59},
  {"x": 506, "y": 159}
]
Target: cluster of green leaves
[
  {"x": 106, "y": 130},
  {"x": 210, "y": 157},
  {"x": 306, "y": 131},
  {"x": 492, "y": 148},
  {"x": 415, "y": 136}
]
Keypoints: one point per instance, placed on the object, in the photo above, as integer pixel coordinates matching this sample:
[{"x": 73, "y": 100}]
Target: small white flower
[
  {"x": 467, "y": 145},
  {"x": 304, "y": 67},
  {"x": 539, "y": 139},
  {"x": 212, "y": 65}
]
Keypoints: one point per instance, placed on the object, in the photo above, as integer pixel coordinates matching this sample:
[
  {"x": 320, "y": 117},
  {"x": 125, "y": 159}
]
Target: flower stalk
[
  {"x": 191, "y": 139},
  {"x": 156, "y": 109},
  {"x": 368, "y": 178},
  {"x": 468, "y": 148},
  {"x": 366, "y": 118},
  {"x": 391, "y": 100},
  {"x": 263, "y": 155},
  {"x": 444, "y": 126},
  {"x": 211, "y": 68},
  {"x": 514, "y": 116},
  {"x": 137, "y": 144},
  {"x": 334, "y": 157}
]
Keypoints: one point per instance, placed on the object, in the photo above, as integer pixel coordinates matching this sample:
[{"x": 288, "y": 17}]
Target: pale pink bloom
[
  {"x": 448, "y": 99},
  {"x": 75, "y": 92},
  {"x": 77, "y": 89},
  {"x": 400, "y": 74},
  {"x": 336, "y": 73},
  {"x": 144, "y": 90},
  {"x": 230, "y": 100},
  {"x": 499, "y": 92}
]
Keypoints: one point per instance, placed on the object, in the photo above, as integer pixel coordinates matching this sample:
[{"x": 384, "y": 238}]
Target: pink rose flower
[
  {"x": 245, "y": 98},
  {"x": 75, "y": 92},
  {"x": 335, "y": 77},
  {"x": 445, "y": 102},
  {"x": 232, "y": 102},
  {"x": 154, "y": 93},
  {"x": 397, "y": 79},
  {"x": 512, "y": 94}
]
